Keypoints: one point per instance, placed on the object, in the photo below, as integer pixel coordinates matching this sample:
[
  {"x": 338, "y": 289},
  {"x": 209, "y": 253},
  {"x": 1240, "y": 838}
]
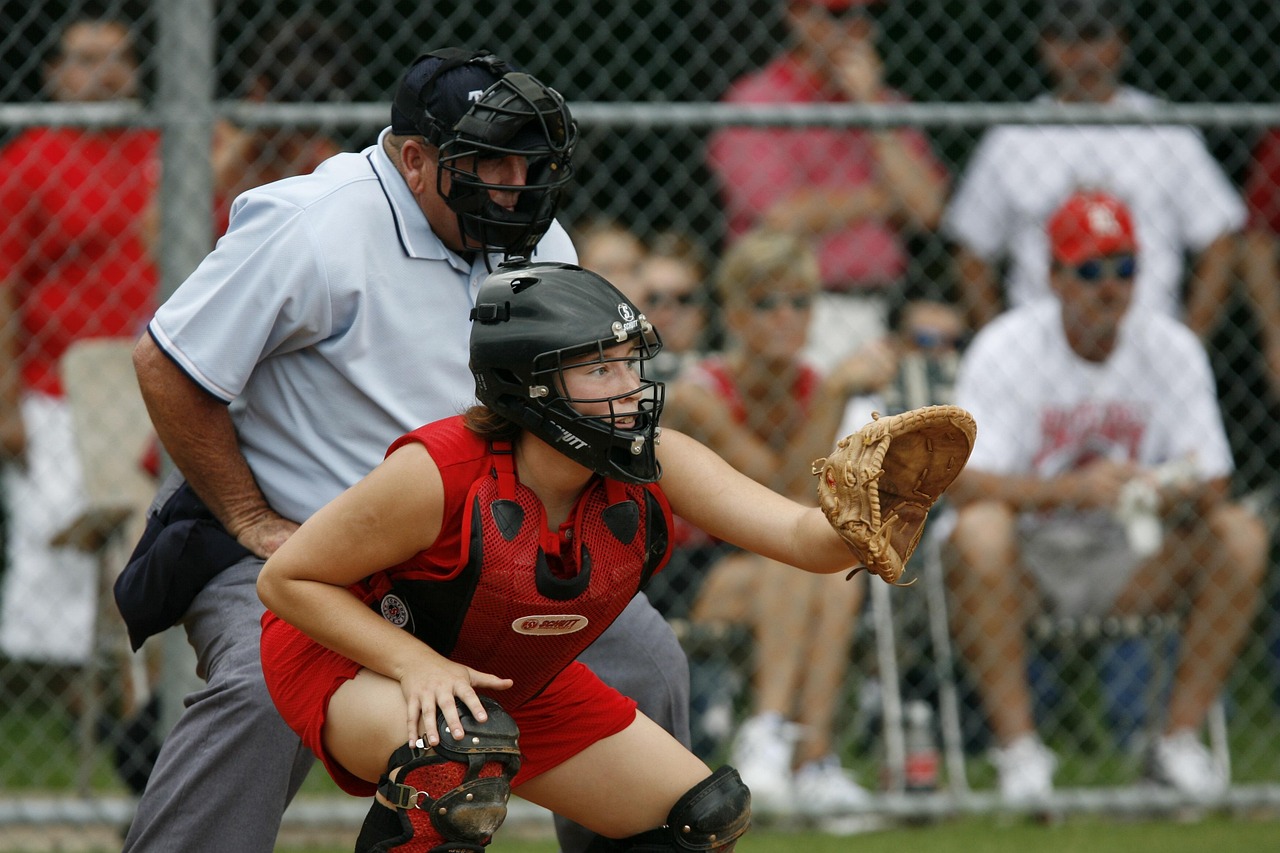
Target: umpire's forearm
[{"x": 197, "y": 432}]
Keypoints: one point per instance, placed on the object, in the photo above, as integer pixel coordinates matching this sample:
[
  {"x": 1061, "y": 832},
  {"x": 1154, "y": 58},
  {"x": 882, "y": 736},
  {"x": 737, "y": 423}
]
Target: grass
[{"x": 984, "y": 835}]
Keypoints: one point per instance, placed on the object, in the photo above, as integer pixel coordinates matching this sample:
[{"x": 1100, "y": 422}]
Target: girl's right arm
[{"x": 383, "y": 520}]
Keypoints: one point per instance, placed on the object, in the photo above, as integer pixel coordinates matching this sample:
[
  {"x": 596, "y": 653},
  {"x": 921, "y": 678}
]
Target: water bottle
[{"x": 922, "y": 760}]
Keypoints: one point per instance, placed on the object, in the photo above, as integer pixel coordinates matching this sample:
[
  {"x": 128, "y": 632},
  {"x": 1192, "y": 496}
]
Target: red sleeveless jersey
[{"x": 499, "y": 591}]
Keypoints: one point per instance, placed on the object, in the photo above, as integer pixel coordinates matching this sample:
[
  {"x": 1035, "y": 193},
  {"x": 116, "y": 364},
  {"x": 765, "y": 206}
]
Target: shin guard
[{"x": 449, "y": 798}]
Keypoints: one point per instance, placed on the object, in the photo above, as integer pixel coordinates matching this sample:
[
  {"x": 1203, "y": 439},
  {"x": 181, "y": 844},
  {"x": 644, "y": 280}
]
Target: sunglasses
[
  {"x": 1094, "y": 270},
  {"x": 670, "y": 300},
  {"x": 924, "y": 338},
  {"x": 773, "y": 301}
]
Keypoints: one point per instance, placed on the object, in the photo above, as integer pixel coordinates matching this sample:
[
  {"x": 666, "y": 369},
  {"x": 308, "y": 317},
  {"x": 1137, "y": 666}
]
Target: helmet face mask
[
  {"x": 540, "y": 331},
  {"x": 516, "y": 116}
]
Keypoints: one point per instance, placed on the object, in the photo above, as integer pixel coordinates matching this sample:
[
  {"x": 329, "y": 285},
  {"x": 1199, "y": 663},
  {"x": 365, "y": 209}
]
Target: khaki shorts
[{"x": 1080, "y": 569}]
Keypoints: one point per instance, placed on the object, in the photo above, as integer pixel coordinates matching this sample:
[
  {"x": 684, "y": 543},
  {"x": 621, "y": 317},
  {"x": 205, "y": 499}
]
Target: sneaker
[
  {"x": 1025, "y": 769},
  {"x": 1181, "y": 761},
  {"x": 761, "y": 753},
  {"x": 824, "y": 787}
]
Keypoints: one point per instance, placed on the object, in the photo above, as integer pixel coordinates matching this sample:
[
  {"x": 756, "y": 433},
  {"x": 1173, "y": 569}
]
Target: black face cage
[{"x": 509, "y": 111}]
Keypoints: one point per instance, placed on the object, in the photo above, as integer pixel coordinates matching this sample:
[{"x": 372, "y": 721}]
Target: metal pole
[{"x": 185, "y": 106}]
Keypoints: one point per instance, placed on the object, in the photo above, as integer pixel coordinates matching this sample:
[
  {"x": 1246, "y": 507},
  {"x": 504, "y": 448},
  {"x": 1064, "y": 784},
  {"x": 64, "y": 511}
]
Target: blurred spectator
[
  {"x": 672, "y": 292},
  {"x": 855, "y": 191},
  {"x": 1180, "y": 197},
  {"x": 1098, "y": 485},
  {"x": 295, "y": 60},
  {"x": 928, "y": 335},
  {"x": 1260, "y": 270},
  {"x": 770, "y": 414},
  {"x": 72, "y": 266},
  {"x": 612, "y": 250}
]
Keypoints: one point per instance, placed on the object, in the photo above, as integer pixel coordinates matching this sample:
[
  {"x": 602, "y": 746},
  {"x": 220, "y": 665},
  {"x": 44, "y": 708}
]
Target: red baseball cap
[{"x": 1090, "y": 224}]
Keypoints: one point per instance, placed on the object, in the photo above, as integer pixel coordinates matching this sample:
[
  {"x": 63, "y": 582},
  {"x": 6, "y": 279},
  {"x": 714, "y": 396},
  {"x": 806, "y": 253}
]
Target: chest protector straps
[{"x": 448, "y": 798}]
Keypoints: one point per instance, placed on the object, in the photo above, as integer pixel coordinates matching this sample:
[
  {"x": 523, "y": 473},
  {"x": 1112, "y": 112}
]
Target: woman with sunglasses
[
  {"x": 766, "y": 410},
  {"x": 433, "y": 612}
]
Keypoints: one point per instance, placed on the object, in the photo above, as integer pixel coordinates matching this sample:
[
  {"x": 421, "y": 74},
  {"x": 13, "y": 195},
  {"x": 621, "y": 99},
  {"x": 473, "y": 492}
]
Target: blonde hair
[{"x": 762, "y": 259}]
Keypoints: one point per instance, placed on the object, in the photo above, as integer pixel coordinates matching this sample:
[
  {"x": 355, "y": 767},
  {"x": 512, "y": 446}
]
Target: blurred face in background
[
  {"x": 95, "y": 63},
  {"x": 932, "y": 328},
  {"x": 1095, "y": 295},
  {"x": 671, "y": 297},
  {"x": 833, "y": 35},
  {"x": 1085, "y": 68},
  {"x": 771, "y": 319},
  {"x": 614, "y": 254}
]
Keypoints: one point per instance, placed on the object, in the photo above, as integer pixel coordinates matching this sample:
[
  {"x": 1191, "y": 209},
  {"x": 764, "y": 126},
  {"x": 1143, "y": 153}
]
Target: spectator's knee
[
  {"x": 984, "y": 542},
  {"x": 1241, "y": 537}
]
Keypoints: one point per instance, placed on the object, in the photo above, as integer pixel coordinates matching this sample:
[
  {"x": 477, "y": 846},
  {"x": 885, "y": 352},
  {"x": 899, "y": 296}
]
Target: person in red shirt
[
  {"x": 72, "y": 266},
  {"x": 1261, "y": 243},
  {"x": 855, "y": 191},
  {"x": 439, "y": 604}
]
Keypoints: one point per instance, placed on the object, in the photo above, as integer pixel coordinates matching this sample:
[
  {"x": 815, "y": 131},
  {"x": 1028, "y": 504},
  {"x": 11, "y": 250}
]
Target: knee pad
[
  {"x": 711, "y": 816},
  {"x": 450, "y": 797}
]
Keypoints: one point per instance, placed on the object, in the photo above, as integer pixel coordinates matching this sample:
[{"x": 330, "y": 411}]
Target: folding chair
[{"x": 112, "y": 434}]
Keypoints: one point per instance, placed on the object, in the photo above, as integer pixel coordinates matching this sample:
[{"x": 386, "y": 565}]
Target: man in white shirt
[
  {"x": 1181, "y": 200},
  {"x": 1097, "y": 486}
]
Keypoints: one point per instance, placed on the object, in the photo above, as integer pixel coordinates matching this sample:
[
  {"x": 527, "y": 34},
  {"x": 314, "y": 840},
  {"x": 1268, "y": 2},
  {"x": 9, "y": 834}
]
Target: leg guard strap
[{"x": 451, "y": 797}]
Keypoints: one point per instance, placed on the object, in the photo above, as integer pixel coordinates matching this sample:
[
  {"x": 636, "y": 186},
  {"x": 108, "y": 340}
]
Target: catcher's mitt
[{"x": 878, "y": 486}]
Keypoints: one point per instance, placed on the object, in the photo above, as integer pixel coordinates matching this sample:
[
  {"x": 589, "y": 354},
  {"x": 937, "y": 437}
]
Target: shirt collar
[{"x": 416, "y": 236}]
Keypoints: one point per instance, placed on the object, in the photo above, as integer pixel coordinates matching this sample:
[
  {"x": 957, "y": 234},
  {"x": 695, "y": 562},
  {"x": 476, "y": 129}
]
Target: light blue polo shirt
[{"x": 332, "y": 320}]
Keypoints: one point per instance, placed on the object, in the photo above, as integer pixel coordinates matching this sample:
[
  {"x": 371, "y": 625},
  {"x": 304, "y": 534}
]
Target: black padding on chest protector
[
  {"x": 622, "y": 519},
  {"x": 659, "y": 538},
  {"x": 508, "y": 516},
  {"x": 562, "y": 589}
]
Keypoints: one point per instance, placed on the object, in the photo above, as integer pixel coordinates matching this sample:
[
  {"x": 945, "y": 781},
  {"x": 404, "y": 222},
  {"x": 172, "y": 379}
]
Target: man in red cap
[{"x": 1097, "y": 486}]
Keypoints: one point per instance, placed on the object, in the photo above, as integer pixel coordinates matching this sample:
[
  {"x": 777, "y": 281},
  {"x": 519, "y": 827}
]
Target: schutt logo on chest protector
[{"x": 560, "y": 623}]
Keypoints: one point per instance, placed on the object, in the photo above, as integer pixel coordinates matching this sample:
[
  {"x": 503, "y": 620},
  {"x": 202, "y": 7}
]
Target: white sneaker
[
  {"x": 761, "y": 753},
  {"x": 824, "y": 787},
  {"x": 1183, "y": 762},
  {"x": 1025, "y": 768}
]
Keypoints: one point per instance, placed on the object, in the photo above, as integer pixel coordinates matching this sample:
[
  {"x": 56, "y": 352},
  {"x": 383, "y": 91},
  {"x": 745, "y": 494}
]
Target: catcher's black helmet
[
  {"x": 472, "y": 106},
  {"x": 529, "y": 320}
]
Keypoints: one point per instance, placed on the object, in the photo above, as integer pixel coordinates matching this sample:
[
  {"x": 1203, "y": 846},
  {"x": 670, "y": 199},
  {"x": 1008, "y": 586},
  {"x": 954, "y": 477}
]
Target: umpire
[{"x": 330, "y": 319}]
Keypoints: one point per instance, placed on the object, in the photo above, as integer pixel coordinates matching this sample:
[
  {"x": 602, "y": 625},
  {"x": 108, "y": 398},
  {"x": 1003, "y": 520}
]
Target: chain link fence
[{"x": 279, "y": 86}]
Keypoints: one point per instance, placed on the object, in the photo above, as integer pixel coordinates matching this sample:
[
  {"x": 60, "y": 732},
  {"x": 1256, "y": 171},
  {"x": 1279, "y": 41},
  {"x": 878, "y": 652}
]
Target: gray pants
[
  {"x": 640, "y": 657},
  {"x": 230, "y": 765}
]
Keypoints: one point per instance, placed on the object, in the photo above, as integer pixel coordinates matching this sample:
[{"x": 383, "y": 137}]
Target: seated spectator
[
  {"x": 1183, "y": 204},
  {"x": 1098, "y": 485},
  {"x": 612, "y": 250},
  {"x": 71, "y": 267},
  {"x": 672, "y": 293},
  {"x": 770, "y": 414},
  {"x": 296, "y": 60},
  {"x": 928, "y": 335},
  {"x": 858, "y": 193},
  {"x": 1261, "y": 242}
]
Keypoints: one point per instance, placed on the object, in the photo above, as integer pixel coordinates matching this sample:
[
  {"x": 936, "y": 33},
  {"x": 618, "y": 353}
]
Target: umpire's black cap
[{"x": 440, "y": 87}]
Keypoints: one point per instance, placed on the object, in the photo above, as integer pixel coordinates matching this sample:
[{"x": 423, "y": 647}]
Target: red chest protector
[{"x": 526, "y": 600}]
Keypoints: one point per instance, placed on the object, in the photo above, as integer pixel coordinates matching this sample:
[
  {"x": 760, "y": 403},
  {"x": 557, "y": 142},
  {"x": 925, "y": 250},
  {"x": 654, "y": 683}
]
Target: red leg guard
[{"x": 448, "y": 799}]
